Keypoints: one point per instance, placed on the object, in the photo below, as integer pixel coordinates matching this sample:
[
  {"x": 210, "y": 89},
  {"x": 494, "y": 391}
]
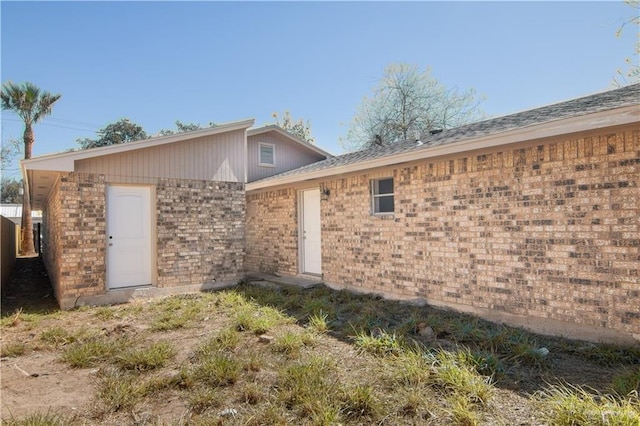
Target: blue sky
[{"x": 157, "y": 62}]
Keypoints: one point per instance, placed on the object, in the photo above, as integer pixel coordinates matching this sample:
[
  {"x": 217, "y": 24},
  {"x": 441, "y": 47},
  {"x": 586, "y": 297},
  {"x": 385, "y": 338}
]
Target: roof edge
[
  {"x": 594, "y": 121},
  {"x": 72, "y": 156},
  {"x": 274, "y": 127}
]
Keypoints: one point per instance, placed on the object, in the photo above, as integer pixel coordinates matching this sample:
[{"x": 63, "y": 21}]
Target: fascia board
[
  {"x": 65, "y": 161},
  {"x": 604, "y": 119},
  {"x": 278, "y": 129}
]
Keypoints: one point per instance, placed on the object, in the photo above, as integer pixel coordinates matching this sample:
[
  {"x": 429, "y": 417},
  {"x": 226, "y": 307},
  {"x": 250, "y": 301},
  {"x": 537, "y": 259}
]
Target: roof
[
  {"x": 65, "y": 161},
  {"x": 280, "y": 130},
  {"x": 585, "y": 113}
]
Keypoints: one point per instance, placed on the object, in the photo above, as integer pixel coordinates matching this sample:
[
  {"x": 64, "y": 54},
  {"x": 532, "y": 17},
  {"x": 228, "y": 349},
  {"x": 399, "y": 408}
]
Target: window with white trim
[
  {"x": 266, "y": 154},
  {"x": 382, "y": 196}
]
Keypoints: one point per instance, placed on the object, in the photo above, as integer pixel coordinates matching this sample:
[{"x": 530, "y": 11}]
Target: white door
[
  {"x": 128, "y": 236},
  {"x": 311, "y": 242}
]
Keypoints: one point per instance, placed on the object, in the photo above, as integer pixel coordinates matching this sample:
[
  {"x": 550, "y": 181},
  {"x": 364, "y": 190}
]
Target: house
[
  {"x": 157, "y": 216},
  {"x": 531, "y": 219}
]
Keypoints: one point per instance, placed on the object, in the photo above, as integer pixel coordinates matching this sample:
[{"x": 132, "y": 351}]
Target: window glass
[
  {"x": 382, "y": 196},
  {"x": 266, "y": 154},
  {"x": 385, "y": 186}
]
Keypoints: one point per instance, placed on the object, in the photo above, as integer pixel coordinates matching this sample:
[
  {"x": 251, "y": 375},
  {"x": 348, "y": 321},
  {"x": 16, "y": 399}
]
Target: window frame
[
  {"x": 375, "y": 185},
  {"x": 273, "y": 154}
]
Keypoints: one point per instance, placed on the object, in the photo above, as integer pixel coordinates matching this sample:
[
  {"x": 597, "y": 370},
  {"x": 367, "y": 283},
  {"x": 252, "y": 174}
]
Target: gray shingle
[{"x": 618, "y": 98}]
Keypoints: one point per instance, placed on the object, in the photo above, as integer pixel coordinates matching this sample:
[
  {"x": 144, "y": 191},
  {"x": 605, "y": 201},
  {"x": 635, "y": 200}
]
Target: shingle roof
[{"x": 613, "y": 99}]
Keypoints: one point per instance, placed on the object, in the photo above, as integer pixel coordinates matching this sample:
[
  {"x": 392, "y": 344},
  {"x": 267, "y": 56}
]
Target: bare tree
[
  {"x": 632, "y": 75},
  {"x": 405, "y": 101},
  {"x": 299, "y": 128}
]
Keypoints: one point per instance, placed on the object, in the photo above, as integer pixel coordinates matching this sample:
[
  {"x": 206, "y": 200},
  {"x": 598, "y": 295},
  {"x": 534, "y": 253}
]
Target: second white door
[
  {"x": 128, "y": 236},
  {"x": 310, "y": 231}
]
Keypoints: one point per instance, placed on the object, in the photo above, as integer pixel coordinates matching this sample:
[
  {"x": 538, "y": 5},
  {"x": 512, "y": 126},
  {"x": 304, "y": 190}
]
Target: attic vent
[{"x": 435, "y": 131}]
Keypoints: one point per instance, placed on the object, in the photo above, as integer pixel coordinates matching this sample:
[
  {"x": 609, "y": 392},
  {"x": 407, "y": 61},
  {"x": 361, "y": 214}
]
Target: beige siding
[
  {"x": 288, "y": 155},
  {"x": 217, "y": 157}
]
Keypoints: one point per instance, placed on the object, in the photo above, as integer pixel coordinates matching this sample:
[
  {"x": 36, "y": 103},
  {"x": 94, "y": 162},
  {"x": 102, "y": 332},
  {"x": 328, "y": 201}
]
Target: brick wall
[
  {"x": 200, "y": 226},
  {"x": 74, "y": 229},
  {"x": 548, "y": 231},
  {"x": 272, "y": 233}
]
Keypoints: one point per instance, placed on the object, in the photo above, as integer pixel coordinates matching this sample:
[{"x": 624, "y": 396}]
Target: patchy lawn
[{"x": 269, "y": 355}]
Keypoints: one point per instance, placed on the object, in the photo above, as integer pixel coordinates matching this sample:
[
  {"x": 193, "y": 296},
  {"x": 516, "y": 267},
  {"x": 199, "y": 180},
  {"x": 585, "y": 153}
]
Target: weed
[
  {"x": 462, "y": 411},
  {"x": 360, "y": 401},
  {"x": 408, "y": 368},
  {"x": 413, "y": 402},
  {"x": 203, "y": 398},
  {"x": 324, "y": 415},
  {"x": 307, "y": 384},
  {"x": 455, "y": 372},
  {"x": 176, "y": 312},
  {"x": 608, "y": 355},
  {"x": 488, "y": 364},
  {"x": 12, "y": 320},
  {"x": 271, "y": 415},
  {"x": 627, "y": 382},
  {"x": 225, "y": 340},
  {"x": 162, "y": 382},
  {"x": 155, "y": 356},
  {"x": 408, "y": 324},
  {"x": 230, "y": 299},
  {"x": 318, "y": 322},
  {"x": 259, "y": 319},
  {"x": 30, "y": 319},
  {"x": 93, "y": 351},
  {"x": 40, "y": 419},
  {"x": 118, "y": 391},
  {"x": 13, "y": 350},
  {"x": 251, "y": 393},
  {"x": 254, "y": 362},
  {"x": 567, "y": 405},
  {"x": 379, "y": 343},
  {"x": 317, "y": 306},
  {"x": 218, "y": 370},
  {"x": 290, "y": 343},
  {"x": 104, "y": 313},
  {"x": 57, "y": 336},
  {"x": 169, "y": 321}
]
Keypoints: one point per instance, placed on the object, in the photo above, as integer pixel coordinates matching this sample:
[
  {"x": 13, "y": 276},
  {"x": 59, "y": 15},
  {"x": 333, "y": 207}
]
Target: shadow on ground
[
  {"x": 514, "y": 363},
  {"x": 28, "y": 289}
]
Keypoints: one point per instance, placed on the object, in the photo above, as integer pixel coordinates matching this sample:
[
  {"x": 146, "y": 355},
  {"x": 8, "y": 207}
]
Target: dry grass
[{"x": 333, "y": 358}]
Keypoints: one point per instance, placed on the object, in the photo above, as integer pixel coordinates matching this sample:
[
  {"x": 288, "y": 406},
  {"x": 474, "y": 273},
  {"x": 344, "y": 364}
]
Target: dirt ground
[{"x": 38, "y": 381}]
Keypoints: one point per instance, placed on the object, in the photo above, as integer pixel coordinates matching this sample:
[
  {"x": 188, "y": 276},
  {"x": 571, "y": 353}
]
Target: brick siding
[
  {"x": 547, "y": 230},
  {"x": 272, "y": 232},
  {"x": 200, "y": 234},
  {"x": 74, "y": 228}
]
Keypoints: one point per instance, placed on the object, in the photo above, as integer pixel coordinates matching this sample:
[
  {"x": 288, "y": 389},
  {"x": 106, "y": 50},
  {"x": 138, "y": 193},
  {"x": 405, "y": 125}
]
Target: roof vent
[
  {"x": 435, "y": 131},
  {"x": 417, "y": 136}
]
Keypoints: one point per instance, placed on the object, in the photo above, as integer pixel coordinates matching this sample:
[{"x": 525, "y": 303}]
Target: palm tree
[{"x": 31, "y": 105}]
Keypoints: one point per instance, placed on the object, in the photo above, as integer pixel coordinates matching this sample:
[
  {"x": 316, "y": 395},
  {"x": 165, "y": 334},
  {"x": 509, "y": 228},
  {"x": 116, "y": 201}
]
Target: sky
[{"x": 158, "y": 62}]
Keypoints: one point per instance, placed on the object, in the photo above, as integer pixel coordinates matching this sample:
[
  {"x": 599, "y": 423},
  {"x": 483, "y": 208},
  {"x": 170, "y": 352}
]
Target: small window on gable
[
  {"x": 266, "y": 154},
  {"x": 382, "y": 196}
]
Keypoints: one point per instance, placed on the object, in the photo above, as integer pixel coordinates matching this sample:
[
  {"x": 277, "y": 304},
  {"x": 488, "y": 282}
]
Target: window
[
  {"x": 266, "y": 154},
  {"x": 382, "y": 196}
]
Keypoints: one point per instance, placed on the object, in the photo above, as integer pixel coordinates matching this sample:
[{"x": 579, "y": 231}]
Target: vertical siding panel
[
  {"x": 289, "y": 155},
  {"x": 217, "y": 157}
]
